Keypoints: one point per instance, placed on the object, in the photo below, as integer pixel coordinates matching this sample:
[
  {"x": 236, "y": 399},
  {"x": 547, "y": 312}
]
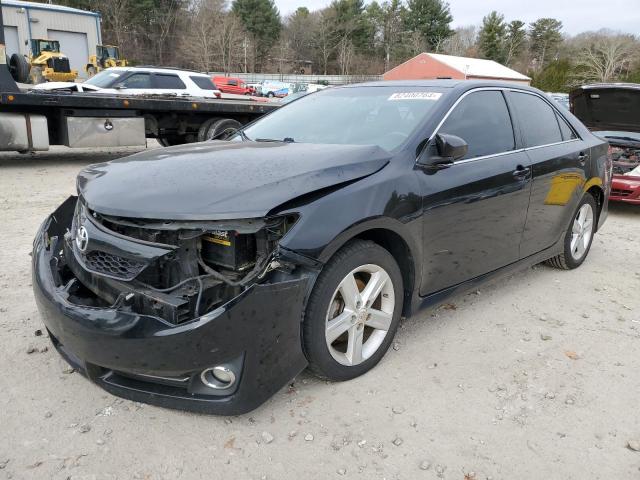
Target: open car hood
[
  {"x": 221, "y": 180},
  {"x": 608, "y": 106}
]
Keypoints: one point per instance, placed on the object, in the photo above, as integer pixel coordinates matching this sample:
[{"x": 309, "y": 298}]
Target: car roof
[
  {"x": 442, "y": 83},
  {"x": 152, "y": 69}
]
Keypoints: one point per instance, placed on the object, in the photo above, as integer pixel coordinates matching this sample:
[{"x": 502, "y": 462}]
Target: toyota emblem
[{"x": 82, "y": 239}]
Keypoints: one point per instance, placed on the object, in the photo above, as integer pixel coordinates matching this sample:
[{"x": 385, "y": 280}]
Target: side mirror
[
  {"x": 441, "y": 153},
  {"x": 451, "y": 147}
]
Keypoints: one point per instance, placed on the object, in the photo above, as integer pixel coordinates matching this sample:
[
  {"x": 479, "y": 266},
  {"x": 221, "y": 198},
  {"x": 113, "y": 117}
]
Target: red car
[
  {"x": 612, "y": 111},
  {"x": 233, "y": 85}
]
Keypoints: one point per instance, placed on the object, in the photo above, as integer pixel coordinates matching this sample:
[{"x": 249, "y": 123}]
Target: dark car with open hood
[
  {"x": 612, "y": 112},
  {"x": 207, "y": 276}
]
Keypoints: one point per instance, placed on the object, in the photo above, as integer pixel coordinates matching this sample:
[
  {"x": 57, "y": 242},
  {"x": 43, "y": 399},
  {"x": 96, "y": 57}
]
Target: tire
[
  {"x": 324, "y": 352},
  {"x": 582, "y": 232},
  {"x": 19, "y": 68},
  {"x": 169, "y": 140},
  {"x": 218, "y": 128},
  {"x": 270, "y": 95}
]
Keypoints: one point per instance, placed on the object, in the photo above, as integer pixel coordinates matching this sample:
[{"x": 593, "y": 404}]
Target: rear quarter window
[
  {"x": 204, "y": 83},
  {"x": 537, "y": 119}
]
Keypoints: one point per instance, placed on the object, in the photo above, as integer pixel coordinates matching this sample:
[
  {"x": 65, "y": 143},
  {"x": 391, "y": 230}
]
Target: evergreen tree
[
  {"x": 261, "y": 20},
  {"x": 430, "y": 19},
  {"x": 515, "y": 41},
  {"x": 492, "y": 37},
  {"x": 545, "y": 37}
]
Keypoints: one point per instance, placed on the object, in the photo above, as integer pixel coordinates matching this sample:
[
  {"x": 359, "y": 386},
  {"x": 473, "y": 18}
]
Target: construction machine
[
  {"x": 106, "y": 56},
  {"x": 48, "y": 64}
]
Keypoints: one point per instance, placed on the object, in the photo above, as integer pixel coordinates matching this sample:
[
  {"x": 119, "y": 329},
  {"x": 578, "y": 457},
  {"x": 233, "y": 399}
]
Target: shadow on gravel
[
  {"x": 63, "y": 156},
  {"x": 620, "y": 209}
]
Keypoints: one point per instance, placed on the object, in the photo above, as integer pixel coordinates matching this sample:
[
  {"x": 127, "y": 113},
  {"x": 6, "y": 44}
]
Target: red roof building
[{"x": 433, "y": 65}]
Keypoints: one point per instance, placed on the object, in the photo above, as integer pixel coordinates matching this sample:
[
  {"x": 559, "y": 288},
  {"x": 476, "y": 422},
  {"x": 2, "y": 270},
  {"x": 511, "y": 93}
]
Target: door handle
[
  {"x": 582, "y": 158},
  {"x": 521, "y": 172}
]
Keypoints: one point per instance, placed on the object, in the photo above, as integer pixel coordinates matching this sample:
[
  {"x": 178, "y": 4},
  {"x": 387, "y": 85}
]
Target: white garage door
[
  {"x": 74, "y": 45},
  {"x": 11, "y": 39}
]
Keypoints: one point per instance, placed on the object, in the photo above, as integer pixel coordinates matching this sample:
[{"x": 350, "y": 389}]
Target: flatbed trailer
[{"x": 33, "y": 120}]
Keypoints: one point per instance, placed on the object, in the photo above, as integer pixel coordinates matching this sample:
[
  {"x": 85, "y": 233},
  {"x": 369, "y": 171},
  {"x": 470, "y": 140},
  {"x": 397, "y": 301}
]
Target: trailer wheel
[
  {"x": 218, "y": 128},
  {"x": 19, "y": 68},
  {"x": 168, "y": 141}
]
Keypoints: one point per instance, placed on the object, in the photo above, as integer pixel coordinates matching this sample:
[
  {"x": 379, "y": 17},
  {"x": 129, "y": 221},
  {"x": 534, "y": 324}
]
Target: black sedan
[{"x": 207, "y": 276}]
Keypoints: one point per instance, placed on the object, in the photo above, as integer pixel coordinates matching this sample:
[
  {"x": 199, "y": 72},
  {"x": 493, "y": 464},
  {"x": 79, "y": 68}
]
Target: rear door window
[
  {"x": 169, "y": 82},
  {"x": 482, "y": 120},
  {"x": 137, "y": 80},
  {"x": 538, "y": 120}
]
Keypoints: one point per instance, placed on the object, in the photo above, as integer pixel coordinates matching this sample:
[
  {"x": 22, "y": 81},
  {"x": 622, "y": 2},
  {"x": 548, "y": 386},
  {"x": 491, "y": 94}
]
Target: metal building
[
  {"x": 434, "y": 65},
  {"x": 78, "y": 31}
]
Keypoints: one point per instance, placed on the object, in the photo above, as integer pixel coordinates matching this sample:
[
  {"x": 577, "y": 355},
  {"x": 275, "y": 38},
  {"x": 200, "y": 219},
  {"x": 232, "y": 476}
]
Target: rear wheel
[
  {"x": 353, "y": 311},
  {"x": 218, "y": 128},
  {"x": 579, "y": 236}
]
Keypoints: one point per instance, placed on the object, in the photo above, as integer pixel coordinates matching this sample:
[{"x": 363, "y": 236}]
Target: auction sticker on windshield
[{"x": 415, "y": 96}]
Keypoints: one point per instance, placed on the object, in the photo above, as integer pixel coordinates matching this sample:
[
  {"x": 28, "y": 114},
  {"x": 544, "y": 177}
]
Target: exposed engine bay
[
  {"x": 174, "y": 270},
  {"x": 626, "y": 160}
]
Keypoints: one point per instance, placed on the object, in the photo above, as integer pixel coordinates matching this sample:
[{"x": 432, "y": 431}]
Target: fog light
[{"x": 218, "y": 377}]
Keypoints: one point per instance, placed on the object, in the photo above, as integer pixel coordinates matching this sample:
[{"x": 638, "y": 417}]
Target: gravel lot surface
[{"x": 536, "y": 376}]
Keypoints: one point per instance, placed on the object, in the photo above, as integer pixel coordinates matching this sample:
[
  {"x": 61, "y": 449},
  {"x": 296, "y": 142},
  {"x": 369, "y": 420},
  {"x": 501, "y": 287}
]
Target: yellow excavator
[
  {"x": 106, "y": 56},
  {"x": 47, "y": 64}
]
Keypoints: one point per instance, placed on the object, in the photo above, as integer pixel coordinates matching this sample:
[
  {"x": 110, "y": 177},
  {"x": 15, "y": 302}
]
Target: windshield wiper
[{"x": 285, "y": 139}]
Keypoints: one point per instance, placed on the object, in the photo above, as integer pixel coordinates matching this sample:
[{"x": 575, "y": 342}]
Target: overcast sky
[{"x": 576, "y": 15}]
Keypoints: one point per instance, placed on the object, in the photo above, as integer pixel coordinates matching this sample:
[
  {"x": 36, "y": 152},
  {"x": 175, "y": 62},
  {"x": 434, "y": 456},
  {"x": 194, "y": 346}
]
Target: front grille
[
  {"x": 621, "y": 193},
  {"x": 60, "y": 65},
  {"x": 112, "y": 265}
]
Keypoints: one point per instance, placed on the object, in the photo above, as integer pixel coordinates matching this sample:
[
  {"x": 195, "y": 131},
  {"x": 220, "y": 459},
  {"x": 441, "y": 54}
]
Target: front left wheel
[{"x": 353, "y": 311}]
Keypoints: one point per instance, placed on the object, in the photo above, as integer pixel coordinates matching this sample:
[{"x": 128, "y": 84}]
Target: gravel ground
[{"x": 536, "y": 376}]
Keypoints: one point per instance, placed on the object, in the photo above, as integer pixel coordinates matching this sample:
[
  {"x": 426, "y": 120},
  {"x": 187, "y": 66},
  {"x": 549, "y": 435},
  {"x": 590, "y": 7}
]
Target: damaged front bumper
[{"x": 255, "y": 335}]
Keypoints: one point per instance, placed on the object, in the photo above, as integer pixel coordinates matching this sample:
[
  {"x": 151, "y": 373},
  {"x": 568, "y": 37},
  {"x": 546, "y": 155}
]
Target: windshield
[
  {"x": 105, "y": 79},
  {"x": 383, "y": 116}
]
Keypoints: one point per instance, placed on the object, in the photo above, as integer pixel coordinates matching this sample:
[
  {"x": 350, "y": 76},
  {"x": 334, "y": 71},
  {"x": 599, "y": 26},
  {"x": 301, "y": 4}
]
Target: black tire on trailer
[
  {"x": 218, "y": 128},
  {"x": 169, "y": 140},
  {"x": 19, "y": 68}
]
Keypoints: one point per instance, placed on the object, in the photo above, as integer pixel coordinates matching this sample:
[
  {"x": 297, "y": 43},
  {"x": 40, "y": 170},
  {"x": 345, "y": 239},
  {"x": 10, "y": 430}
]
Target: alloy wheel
[
  {"x": 581, "y": 231},
  {"x": 360, "y": 314}
]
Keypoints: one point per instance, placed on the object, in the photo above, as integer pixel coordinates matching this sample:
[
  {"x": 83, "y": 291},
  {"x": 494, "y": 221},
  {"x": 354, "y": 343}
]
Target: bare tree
[
  {"x": 462, "y": 41},
  {"x": 345, "y": 55},
  {"x": 165, "y": 22},
  {"x": 116, "y": 14},
  {"x": 606, "y": 56},
  {"x": 325, "y": 38}
]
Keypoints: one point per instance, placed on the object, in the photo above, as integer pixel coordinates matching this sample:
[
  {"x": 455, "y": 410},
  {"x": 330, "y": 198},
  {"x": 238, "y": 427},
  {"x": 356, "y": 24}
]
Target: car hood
[
  {"x": 608, "y": 107},
  {"x": 221, "y": 180},
  {"x": 63, "y": 86}
]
